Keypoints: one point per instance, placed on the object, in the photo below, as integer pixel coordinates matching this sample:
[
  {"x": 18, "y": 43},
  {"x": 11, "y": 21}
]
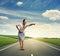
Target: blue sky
[{"x": 45, "y": 13}]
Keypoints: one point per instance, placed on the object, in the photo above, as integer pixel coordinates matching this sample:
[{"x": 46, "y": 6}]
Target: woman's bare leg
[{"x": 22, "y": 44}]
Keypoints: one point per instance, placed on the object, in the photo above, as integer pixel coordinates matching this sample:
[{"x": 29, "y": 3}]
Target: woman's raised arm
[
  {"x": 17, "y": 27},
  {"x": 31, "y": 24}
]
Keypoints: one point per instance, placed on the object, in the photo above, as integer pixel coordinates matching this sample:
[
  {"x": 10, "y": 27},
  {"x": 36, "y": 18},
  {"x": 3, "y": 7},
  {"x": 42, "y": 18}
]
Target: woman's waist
[{"x": 20, "y": 32}]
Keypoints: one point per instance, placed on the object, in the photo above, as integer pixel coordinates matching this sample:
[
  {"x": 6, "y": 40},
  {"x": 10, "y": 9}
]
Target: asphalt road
[{"x": 32, "y": 48}]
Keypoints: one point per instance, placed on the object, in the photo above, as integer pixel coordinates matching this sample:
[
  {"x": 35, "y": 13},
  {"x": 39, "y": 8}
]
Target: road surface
[{"x": 32, "y": 48}]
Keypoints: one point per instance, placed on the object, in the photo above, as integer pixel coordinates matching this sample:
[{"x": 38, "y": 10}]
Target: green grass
[
  {"x": 55, "y": 41},
  {"x": 6, "y": 40}
]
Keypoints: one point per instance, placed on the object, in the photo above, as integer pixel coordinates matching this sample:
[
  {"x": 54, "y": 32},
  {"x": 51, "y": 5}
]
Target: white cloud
[
  {"x": 19, "y": 3},
  {"x": 4, "y": 31},
  {"x": 3, "y": 17},
  {"x": 26, "y": 14},
  {"x": 11, "y": 26},
  {"x": 52, "y": 14},
  {"x": 44, "y": 30}
]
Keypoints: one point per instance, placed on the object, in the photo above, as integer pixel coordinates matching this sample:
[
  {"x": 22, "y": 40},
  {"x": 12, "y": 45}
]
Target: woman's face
[{"x": 25, "y": 22}]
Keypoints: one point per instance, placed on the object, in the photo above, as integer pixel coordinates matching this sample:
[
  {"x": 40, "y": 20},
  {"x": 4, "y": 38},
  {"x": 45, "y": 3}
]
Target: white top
[{"x": 21, "y": 28}]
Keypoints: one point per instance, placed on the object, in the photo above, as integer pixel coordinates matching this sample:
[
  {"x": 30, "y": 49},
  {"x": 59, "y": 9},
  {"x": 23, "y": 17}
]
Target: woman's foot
[{"x": 22, "y": 49}]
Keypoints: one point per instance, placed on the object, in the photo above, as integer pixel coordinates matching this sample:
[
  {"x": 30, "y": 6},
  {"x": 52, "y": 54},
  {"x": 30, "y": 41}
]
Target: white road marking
[
  {"x": 8, "y": 47},
  {"x": 52, "y": 46},
  {"x": 31, "y": 54}
]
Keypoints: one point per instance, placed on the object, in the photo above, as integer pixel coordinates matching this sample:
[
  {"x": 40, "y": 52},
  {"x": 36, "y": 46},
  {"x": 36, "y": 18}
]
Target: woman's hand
[{"x": 16, "y": 26}]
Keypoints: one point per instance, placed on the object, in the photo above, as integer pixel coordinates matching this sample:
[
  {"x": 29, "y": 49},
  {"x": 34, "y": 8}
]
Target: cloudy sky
[{"x": 44, "y": 13}]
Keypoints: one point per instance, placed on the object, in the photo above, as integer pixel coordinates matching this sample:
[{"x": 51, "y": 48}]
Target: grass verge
[
  {"x": 55, "y": 41},
  {"x": 5, "y": 40}
]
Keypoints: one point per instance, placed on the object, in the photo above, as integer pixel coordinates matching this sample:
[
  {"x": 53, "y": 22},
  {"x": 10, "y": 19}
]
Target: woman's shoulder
[{"x": 26, "y": 26}]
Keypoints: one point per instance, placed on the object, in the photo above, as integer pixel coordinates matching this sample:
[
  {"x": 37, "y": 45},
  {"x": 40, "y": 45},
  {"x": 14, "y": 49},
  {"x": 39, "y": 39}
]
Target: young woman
[{"x": 21, "y": 33}]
